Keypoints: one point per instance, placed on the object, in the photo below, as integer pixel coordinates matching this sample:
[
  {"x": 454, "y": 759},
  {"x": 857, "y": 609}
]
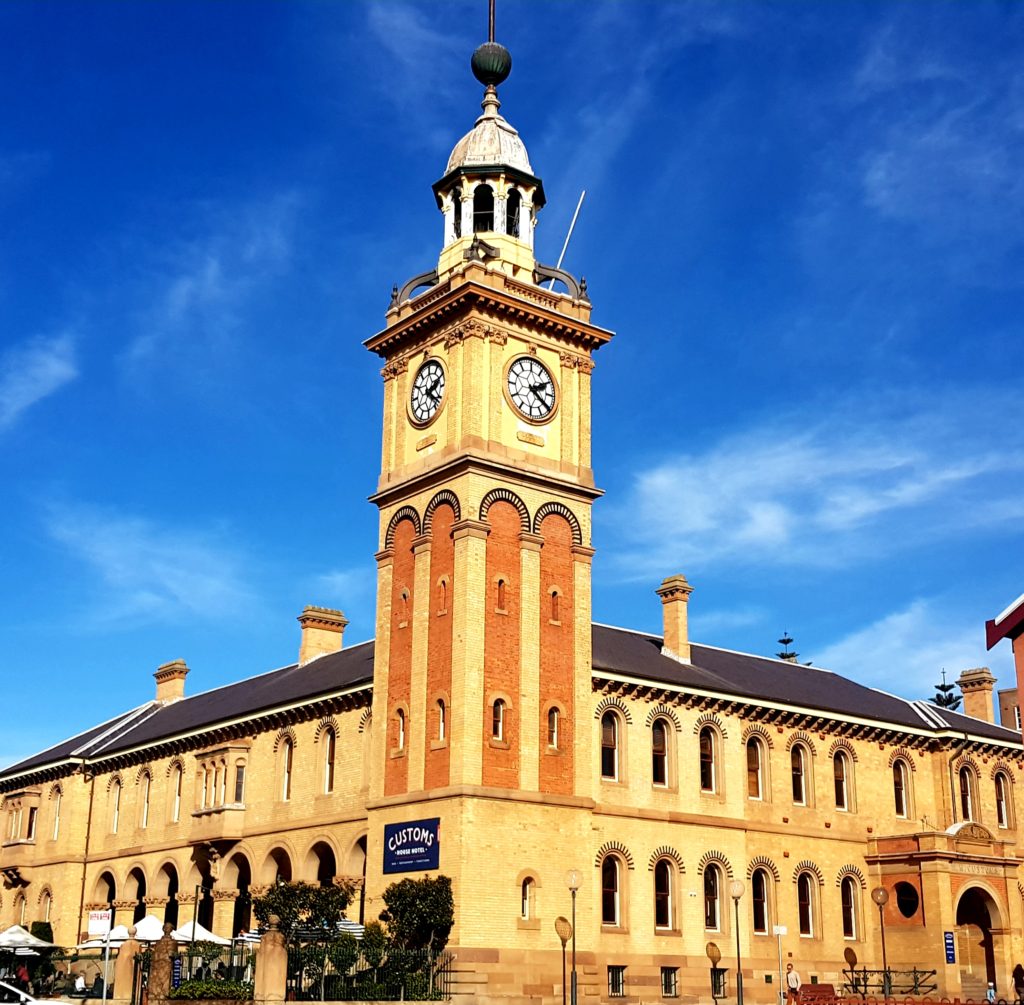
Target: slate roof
[{"x": 616, "y": 651}]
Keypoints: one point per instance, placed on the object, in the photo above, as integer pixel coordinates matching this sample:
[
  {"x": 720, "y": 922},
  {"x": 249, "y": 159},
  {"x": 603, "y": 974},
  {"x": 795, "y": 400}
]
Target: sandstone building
[{"x": 493, "y": 729}]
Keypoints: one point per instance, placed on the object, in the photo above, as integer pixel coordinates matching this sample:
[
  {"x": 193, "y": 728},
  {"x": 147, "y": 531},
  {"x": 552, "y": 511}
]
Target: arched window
[
  {"x": 663, "y": 894},
  {"x": 57, "y": 796},
  {"x": 712, "y": 898},
  {"x": 500, "y": 597},
  {"x": 19, "y": 907},
  {"x": 610, "y": 746},
  {"x": 554, "y": 605},
  {"x": 708, "y": 773},
  {"x": 841, "y": 776},
  {"x": 33, "y": 813},
  {"x": 659, "y": 752},
  {"x": 848, "y": 897},
  {"x": 144, "y": 786},
  {"x": 483, "y": 208},
  {"x": 1004, "y": 814},
  {"x": 400, "y": 724},
  {"x": 287, "y": 757},
  {"x": 899, "y": 788},
  {"x": 759, "y": 901},
  {"x": 44, "y": 906},
  {"x": 526, "y": 900},
  {"x": 755, "y": 769},
  {"x": 176, "y": 781},
  {"x": 610, "y": 899},
  {"x": 442, "y": 719},
  {"x": 798, "y": 770},
  {"x": 442, "y": 597},
  {"x": 330, "y": 747},
  {"x": 513, "y": 207},
  {"x": 553, "y": 725},
  {"x": 115, "y": 803},
  {"x": 966, "y": 778},
  {"x": 457, "y": 212},
  {"x": 498, "y": 720},
  {"x": 805, "y": 902},
  {"x": 239, "y": 782}
]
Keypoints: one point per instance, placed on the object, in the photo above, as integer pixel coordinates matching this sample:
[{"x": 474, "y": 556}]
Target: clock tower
[{"x": 482, "y": 665}]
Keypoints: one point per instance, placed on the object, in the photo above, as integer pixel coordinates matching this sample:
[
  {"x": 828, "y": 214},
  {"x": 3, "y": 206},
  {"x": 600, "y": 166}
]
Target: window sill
[
  {"x": 656, "y": 787},
  {"x": 528, "y": 924},
  {"x": 399, "y": 752},
  {"x": 614, "y": 929},
  {"x": 617, "y": 782},
  {"x": 499, "y": 744},
  {"x": 550, "y": 751},
  {"x": 438, "y": 744},
  {"x": 667, "y": 932}
]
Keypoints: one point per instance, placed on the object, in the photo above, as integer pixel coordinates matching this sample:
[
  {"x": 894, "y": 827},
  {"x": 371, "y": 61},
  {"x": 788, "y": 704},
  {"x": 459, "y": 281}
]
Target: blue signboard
[
  {"x": 412, "y": 846},
  {"x": 947, "y": 938},
  {"x": 176, "y": 972}
]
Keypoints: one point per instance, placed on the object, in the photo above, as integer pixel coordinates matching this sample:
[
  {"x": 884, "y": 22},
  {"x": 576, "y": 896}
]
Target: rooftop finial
[{"x": 491, "y": 63}]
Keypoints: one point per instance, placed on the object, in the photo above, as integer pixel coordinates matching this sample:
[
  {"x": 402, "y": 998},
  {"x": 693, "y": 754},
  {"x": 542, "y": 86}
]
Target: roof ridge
[{"x": 120, "y": 720}]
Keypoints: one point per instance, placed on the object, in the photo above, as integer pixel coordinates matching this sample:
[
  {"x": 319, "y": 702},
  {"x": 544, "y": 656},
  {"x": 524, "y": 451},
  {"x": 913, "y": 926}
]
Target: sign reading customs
[{"x": 412, "y": 846}]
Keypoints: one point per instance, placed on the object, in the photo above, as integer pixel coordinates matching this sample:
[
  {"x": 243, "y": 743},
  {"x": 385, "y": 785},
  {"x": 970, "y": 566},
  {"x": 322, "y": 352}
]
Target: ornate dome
[{"x": 491, "y": 142}]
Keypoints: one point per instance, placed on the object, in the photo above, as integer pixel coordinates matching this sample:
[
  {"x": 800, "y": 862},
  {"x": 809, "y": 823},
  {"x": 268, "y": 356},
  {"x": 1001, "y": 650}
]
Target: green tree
[
  {"x": 419, "y": 913},
  {"x": 944, "y": 696},
  {"x": 303, "y": 904}
]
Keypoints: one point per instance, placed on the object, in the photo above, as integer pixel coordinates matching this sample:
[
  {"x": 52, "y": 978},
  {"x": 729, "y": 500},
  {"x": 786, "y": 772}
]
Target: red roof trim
[{"x": 1010, "y": 627}]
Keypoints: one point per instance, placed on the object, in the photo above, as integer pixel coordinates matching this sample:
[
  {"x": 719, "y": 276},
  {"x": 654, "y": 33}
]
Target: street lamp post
[
  {"x": 880, "y": 895},
  {"x": 572, "y": 880},
  {"x": 736, "y": 890}
]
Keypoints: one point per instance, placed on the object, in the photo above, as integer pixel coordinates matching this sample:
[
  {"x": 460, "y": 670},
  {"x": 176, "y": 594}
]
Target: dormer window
[{"x": 483, "y": 209}]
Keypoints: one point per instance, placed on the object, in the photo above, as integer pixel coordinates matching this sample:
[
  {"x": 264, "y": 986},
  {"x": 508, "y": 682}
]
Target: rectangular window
[
  {"x": 670, "y": 982},
  {"x": 239, "y": 783},
  {"x": 616, "y": 982},
  {"x": 1016, "y": 715},
  {"x": 31, "y": 832}
]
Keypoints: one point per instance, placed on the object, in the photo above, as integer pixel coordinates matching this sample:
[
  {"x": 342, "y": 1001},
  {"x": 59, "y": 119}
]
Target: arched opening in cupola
[
  {"x": 513, "y": 208},
  {"x": 483, "y": 209}
]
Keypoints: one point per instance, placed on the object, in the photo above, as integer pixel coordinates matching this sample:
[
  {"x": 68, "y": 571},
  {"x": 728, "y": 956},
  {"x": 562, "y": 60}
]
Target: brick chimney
[
  {"x": 675, "y": 597},
  {"x": 170, "y": 681},
  {"x": 976, "y": 686},
  {"x": 322, "y": 632}
]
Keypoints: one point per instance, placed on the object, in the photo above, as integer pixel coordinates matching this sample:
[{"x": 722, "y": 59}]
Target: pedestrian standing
[
  {"x": 792, "y": 985},
  {"x": 990, "y": 994}
]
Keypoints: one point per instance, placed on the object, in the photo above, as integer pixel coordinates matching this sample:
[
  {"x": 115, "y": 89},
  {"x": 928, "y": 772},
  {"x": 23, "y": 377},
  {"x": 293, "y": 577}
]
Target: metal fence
[
  {"x": 333, "y": 972},
  {"x": 204, "y": 961},
  {"x": 890, "y": 983}
]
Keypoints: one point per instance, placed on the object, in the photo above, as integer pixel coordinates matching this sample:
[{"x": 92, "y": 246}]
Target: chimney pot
[
  {"x": 323, "y": 631},
  {"x": 170, "y": 681},
  {"x": 976, "y": 686},
  {"x": 675, "y": 597}
]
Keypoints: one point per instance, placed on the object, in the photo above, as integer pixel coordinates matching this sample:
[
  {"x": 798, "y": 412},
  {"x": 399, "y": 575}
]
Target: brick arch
[
  {"x": 145, "y": 769},
  {"x": 710, "y": 719},
  {"x": 843, "y": 744},
  {"x": 714, "y": 858},
  {"x": 328, "y": 722},
  {"x": 559, "y": 509},
  {"x": 55, "y": 790},
  {"x": 365, "y": 720},
  {"x": 506, "y": 495},
  {"x": 666, "y": 852},
  {"x": 808, "y": 866},
  {"x": 175, "y": 762},
  {"x": 851, "y": 870},
  {"x": 285, "y": 734},
  {"x": 444, "y": 497},
  {"x": 902, "y": 754},
  {"x": 763, "y": 862},
  {"x": 614, "y": 848},
  {"x": 405, "y": 513},
  {"x": 966, "y": 761},
  {"x": 1005, "y": 769},
  {"x": 664, "y": 712},
  {"x": 43, "y": 892},
  {"x": 115, "y": 778},
  {"x": 613, "y": 702},
  {"x": 757, "y": 729},
  {"x": 801, "y": 737}
]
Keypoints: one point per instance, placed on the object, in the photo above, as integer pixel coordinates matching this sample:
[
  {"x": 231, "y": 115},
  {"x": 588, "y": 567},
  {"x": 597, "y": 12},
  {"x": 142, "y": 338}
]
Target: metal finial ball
[{"x": 492, "y": 63}]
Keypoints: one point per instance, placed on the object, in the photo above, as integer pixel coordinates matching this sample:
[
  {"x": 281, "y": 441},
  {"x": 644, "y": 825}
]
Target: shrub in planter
[{"x": 215, "y": 989}]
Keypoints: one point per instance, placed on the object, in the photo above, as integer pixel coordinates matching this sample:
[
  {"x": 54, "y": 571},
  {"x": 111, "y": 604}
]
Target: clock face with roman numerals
[
  {"x": 531, "y": 388},
  {"x": 427, "y": 392}
]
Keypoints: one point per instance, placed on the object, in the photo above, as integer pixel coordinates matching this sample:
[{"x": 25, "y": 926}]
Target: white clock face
[
  {"x": 531, "y": 388},
  {"x": 427, "y": 391}
]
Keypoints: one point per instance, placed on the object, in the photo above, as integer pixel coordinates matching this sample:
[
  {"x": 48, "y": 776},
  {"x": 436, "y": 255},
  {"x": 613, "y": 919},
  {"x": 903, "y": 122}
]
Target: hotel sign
[{"x": 412, "y": 847}]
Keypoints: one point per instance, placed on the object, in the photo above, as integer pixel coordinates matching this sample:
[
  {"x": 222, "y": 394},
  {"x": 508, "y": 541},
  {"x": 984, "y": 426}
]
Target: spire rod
[{"x": 490, "y": 22}]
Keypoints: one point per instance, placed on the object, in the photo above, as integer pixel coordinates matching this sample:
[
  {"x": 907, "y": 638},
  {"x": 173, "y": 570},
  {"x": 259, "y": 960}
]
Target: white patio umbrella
[
  {"x": 118, "y": 934},
  {"x": 149, "y": 929},
  {"x": 17, "y": 937},
  {"x": 184, "y": 934}
]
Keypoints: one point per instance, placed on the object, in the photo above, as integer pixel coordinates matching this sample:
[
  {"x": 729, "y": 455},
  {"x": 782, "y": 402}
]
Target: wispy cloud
[
  {"x": 148, "y": 571},
  {"x": 33, "y": 371},
  {"x": 919, "y": 641},
  {"x": 831, "y": 488},
  {"x": 195, "y": 298}
]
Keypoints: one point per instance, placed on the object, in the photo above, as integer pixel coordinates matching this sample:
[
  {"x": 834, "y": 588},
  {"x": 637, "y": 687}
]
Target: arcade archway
[{"x": 979, "y": 931}]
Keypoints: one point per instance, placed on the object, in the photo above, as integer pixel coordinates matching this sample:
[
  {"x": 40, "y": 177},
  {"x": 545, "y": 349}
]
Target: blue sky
[{"x": 805, "y": 221}]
